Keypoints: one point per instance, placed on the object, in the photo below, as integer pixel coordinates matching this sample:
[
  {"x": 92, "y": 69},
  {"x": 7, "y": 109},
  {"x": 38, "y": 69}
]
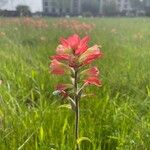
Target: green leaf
[
  {"x": 83, "y": 139},
  {"x": 41, "y": 133},
  {"x": 65, "y": 125},
  {"x": 65, "y": 106},
  {"x": 113, "y": 137},
  {"x": 148, "y": 90}
]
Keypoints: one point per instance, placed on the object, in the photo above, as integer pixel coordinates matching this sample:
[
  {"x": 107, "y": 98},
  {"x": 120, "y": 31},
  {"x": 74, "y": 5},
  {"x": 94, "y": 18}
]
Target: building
[
  {"x": 147, "y": 9},
  {"x": 50, "y": 7},
  {"x": 148, "y": 3},
  {"x": 76, "y": 7},
  {"x": 9, "y": 13},
  {"x": 56, "y": 7},
  {"x": 122, "y": 5}
]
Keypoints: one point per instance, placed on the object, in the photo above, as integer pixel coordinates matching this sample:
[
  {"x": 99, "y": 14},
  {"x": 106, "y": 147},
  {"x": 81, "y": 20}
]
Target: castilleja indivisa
[{"x": 73, "y": 57}]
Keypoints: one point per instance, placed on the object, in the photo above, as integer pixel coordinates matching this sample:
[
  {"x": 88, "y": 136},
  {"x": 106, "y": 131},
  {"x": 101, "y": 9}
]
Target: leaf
[
  {"x": 72, "y": 103},
  {"x": 117, "y": 95},
  {"x": 33, "y": 74},
  {"x": 113, "y": 137},
  {"x": 65, "y": 106},
  {"x": 41, "y": 133},
  {"x": 72, "y": 80},
  {"x": 1, "y": 113},
  {"x": 148, "y": 90},
  {"x": 65, "y": 125},
  {"x": 25, "y": 142},
  {"x": 87, "y": 95},
  {"x": 83, "y": 139}
]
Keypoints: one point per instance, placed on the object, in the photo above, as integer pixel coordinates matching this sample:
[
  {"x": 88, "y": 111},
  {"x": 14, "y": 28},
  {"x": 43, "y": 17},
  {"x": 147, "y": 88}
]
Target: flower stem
[
  {"x": 76, "y": 98},
  {"x": 77, "y": 124}
]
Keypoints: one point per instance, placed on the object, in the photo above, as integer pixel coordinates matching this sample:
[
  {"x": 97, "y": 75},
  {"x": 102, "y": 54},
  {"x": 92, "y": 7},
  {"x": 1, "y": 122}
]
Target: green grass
[{"x": 116, "y": 118}]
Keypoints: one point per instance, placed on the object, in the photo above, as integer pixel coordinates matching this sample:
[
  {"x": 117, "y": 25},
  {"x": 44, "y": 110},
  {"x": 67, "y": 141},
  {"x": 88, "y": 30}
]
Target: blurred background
[
  {"x": 115, "y": 116},
  {"x": 85, "y": 8}
]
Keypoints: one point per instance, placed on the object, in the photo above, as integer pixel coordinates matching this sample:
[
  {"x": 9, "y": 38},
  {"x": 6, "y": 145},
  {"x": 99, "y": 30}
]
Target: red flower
[
  {"x": 60, "y": 57},
  {"x": 74, "y": 53},
  {"x": 83, "y": 46},
  {"x": 90, "y": 55},
  {"x": 72, "y": 42},
  {"x": 57, "y": 67},
  {"x": 92, "y": 72},
  {"x": 63, "y": 50},
  {"x": 77, "y": 45},
  {"x": 93, "y": 81},
  {"x": 62, "y": 89}
]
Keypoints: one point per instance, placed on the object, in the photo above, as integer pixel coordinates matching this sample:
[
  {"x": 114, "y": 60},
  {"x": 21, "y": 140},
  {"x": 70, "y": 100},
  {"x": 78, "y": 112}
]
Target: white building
[
  {"x": 124, "y": 5},
  {"x": 50, "y": 6},
  {"x": 56, "y": 7},
  {"x": 148, "y": 3},
  {"x": 74, "y": 6}
]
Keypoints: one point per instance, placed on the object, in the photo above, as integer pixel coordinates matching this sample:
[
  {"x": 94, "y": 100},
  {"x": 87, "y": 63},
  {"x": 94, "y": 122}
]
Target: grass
[{"x": 116, "y": 118}]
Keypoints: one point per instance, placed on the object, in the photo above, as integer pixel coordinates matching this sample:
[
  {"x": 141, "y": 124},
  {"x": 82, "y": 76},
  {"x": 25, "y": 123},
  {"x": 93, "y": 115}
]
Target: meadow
[{"x": 115, "y": 117}]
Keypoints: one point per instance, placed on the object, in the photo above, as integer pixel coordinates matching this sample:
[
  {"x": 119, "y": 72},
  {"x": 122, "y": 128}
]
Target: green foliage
[
  {"x": 116, "y": 117},
  {"x": 23, "y": 10}
]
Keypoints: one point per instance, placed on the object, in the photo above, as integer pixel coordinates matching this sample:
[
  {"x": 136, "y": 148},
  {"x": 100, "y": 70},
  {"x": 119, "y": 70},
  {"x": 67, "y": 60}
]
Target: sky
[{"x": 35, "y": 5}]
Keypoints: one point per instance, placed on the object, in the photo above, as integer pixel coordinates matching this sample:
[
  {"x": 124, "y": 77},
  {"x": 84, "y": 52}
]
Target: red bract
[
  {"x": 62, "y": 89},
  {"x": 57, "y": 67},
  {"x": 63, "y": 50},
  {"x": 93, "y": 81},
  {"x": 90, "y": 55},
  {"x": 60, "y": 57},
  {"x": 91, "y": 72},
  {"x": 73, "y": 53},
  {"x": 72, "y": 42},
  {"x": 77, "y": 45},
  {"x": 82, "y": 46}
]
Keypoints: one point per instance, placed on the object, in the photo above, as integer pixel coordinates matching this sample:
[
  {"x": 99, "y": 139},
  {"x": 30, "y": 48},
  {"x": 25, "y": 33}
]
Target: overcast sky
[{"x": 35, "y": 5}]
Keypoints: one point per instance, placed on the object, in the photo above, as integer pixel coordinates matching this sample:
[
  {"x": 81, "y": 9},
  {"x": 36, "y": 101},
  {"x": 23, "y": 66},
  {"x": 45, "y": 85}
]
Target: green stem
[{"x": 76, "y": 98}]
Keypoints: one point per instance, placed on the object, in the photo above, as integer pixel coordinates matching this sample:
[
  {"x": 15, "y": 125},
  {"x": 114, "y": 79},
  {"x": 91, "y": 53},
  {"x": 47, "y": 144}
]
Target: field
[{"x": 117, "y": 117}]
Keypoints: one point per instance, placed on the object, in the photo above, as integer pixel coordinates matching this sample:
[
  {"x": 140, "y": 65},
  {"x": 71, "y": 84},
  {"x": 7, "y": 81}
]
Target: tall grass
[{"x": 117, "y": 117}]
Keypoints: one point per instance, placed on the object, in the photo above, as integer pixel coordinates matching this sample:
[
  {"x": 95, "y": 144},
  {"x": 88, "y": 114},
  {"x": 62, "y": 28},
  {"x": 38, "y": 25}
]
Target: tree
[
  {"x": 23, "y": 10},
  {"x": 147, "y": 7}
]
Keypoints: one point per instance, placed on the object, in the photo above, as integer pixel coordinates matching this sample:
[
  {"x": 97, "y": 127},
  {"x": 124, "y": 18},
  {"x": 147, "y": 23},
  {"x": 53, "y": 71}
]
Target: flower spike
[{"x": 72, "y": 58}]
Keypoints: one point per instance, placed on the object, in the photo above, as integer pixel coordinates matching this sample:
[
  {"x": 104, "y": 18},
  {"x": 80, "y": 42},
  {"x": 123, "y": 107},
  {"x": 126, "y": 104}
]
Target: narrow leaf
[
  {"x": 41, "y": 133},
  {"x": 65, "y": 106},
  {"x": 83, "y": 139}
]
